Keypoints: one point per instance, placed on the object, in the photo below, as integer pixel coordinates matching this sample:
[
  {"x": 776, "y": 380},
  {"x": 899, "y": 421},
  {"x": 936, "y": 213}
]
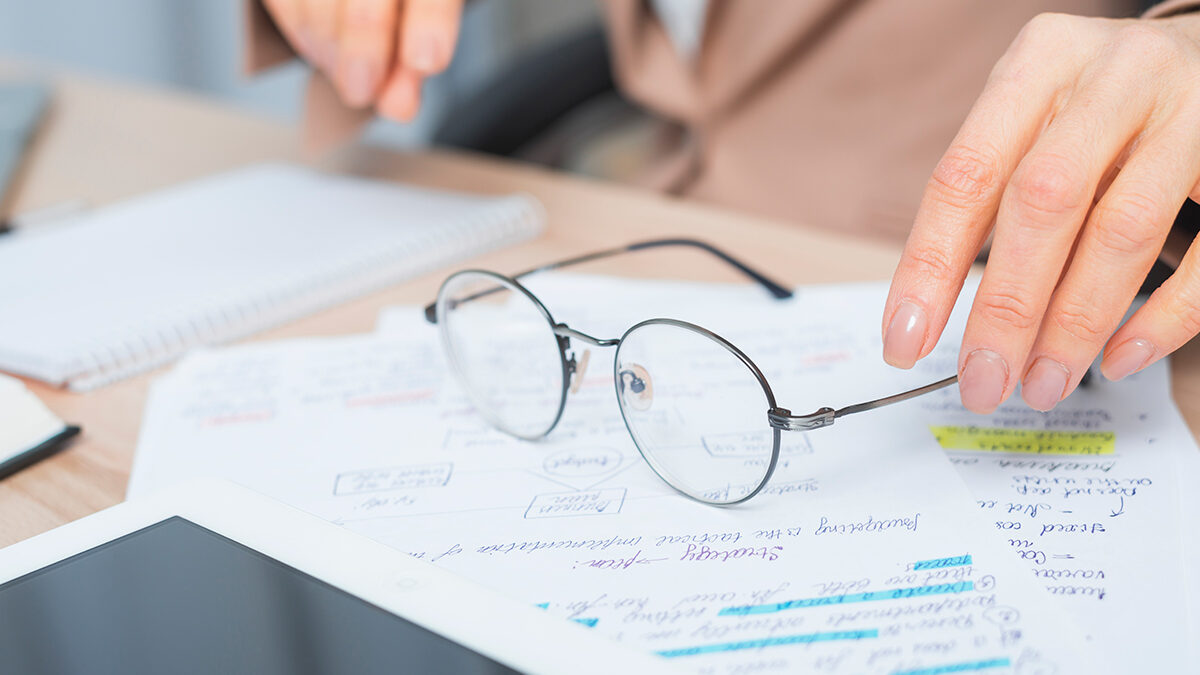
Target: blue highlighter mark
[
  {"x": 590, "y": 622},
  {"x": 958, "y": 667},
  {"x": 848, "y": 598},
  {"x": 543, "y": 605},
  {"x": 770, "y": 642},
  {"x": 939, "y": 563}
]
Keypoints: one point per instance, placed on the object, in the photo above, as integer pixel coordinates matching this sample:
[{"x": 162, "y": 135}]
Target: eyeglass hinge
[{"x": 783, "y": 419}]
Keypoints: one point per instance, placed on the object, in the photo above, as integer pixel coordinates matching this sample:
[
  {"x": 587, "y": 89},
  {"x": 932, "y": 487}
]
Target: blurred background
[{"x": 195, "y": 45}]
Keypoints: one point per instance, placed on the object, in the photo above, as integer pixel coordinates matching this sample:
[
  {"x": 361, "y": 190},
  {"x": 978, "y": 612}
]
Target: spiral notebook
[{"x": 137, "y": 284}]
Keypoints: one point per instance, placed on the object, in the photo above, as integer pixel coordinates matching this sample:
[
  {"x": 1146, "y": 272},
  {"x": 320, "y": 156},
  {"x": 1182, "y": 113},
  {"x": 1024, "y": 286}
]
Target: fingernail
[
  {"x": 399, "y": 101},
  {"x": 1045, "y": 384},
  {"x": 422, "y": 53},
  {"x": 1128, "y": 358},
  {"x": 905, "y": 335},
  {"x": 358, "y": 81},
  {"x": 981, "y": 384}
]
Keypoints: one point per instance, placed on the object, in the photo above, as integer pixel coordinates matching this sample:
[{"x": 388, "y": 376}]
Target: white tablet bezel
[{"x": 522, "y": 637}]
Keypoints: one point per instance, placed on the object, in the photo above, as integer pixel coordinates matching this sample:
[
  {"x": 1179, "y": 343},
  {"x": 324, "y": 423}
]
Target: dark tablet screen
[{"x": 178, "y": 598}]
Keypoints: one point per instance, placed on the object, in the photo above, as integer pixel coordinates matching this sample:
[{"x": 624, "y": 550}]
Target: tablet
[{"x": 212, "y": 578}]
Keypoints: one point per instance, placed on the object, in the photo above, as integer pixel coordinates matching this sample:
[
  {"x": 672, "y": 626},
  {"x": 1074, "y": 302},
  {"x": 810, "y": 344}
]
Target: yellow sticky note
[{"x": 1028, "y": 441}]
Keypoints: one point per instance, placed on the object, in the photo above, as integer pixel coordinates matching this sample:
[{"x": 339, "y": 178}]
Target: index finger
[
  {"x": 959, "y": 207},
  {"x": 428, "y": 34},
  {"x": 368, "y": 30}
]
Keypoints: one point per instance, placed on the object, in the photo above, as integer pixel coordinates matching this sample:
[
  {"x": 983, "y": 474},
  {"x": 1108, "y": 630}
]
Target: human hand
[
  {"x": 377, "y": 52},
  {"x": 1077, "y": 157}
]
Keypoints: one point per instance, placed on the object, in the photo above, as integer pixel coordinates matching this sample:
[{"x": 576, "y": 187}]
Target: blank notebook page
[{"x": 136, "y": 284}]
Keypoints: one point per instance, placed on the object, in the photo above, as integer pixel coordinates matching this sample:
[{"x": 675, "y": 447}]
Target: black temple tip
[
  {"x": 1087, "y": 380},
  {"x": 778, "y": 291}
]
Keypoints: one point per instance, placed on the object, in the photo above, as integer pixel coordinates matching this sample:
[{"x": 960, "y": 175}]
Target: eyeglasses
[{"x": 713, "y": 435}]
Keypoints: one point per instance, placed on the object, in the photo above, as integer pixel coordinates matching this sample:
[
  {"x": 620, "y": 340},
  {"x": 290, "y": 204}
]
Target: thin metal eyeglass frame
[
  {"x": 779, "y": 419},
  {"x": 506, "y": 283}
]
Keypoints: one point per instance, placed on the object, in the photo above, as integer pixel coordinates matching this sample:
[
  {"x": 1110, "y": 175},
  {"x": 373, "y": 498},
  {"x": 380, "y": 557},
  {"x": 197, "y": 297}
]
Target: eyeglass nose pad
[
  {"x": 580, "y": 370},
  {"x": 636, "y": 386}
]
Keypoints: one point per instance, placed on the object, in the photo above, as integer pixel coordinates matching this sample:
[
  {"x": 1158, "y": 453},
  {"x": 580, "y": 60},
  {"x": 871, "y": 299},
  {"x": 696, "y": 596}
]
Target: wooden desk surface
[{"x": 104, "y": 142}]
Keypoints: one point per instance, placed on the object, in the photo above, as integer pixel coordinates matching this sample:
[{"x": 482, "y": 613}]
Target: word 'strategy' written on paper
[{"x": 864, "y": 554}]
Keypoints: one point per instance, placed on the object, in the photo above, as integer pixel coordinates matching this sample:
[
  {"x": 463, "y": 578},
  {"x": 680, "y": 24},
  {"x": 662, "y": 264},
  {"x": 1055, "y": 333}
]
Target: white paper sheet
[
  {"x": 1100, "y": 531},
  {"x": 1189, "y": 476},
  {"x": 1088, "y": 497},
  {"x": 859, "y": 557}
]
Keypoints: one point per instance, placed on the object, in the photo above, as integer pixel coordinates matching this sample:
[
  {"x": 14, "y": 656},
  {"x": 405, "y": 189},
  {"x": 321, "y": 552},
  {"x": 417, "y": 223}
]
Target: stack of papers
[{"x": 913, "y": 539}]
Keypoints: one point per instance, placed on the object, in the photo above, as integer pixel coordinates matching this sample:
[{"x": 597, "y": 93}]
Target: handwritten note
[
  {"x": 858, "y": 558},
  {"x": 864, "y": 554},
  {"x": 866, "y": 568},
  {"x": 1087, "y": 497}
]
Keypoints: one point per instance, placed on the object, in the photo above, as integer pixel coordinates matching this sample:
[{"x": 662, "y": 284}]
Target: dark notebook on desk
[{"x": 28, "y": 430}]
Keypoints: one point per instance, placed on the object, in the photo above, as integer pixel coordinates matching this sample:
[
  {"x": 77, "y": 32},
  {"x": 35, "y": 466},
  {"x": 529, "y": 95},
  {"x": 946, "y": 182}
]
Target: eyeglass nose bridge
[
  {"x": 577, "y": 369},
  {"x": 563, "y": 330}
]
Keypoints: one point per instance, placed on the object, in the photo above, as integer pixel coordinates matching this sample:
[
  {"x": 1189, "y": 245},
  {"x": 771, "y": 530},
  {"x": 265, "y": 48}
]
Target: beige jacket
[{"x": 824, "y": 112}]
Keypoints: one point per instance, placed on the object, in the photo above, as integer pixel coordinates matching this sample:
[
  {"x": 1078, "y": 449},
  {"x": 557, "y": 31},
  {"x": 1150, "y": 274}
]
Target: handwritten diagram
[{"x": 873, "y": 555}]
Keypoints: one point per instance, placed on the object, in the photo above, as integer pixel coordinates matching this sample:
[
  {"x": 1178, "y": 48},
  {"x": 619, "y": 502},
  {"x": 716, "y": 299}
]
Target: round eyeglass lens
[
  {"x": 696, "y": 410},
  {"x": 501, "y": 345}
]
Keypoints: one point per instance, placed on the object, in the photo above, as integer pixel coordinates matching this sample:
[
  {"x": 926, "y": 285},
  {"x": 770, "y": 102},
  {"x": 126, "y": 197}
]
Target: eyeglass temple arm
[
  {"x": 774, "y": 288},
  {"x": 783, "y": 419}
]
